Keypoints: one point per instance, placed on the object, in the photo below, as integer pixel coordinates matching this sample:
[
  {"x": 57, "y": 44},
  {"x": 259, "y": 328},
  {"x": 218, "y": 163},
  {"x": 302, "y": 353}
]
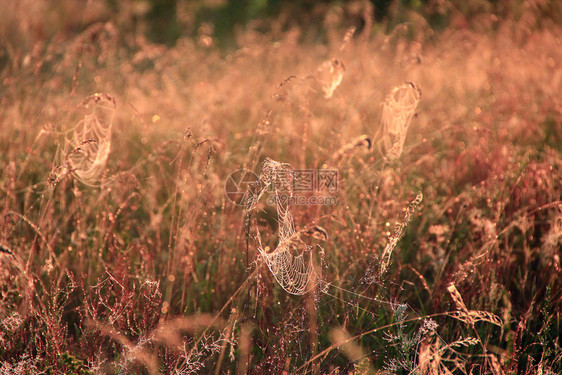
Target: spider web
[
  {"x": 90, "y": 140},
  {"x": 293, "y": 273},
  {"x": 398, "y": 109},
  {"x": 330, "y": 75}
]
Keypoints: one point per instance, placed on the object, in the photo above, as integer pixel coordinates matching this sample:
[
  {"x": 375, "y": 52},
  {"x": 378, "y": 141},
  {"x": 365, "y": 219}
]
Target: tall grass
[{"x": 143, "y": 265}]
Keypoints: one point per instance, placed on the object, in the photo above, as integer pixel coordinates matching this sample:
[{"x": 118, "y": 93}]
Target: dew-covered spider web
[
  {"x": 295, "y": 274},
  {"x": 330, "y": 75},
  {"x": 398, "y": 109},
  {"x": 88, "y": 144},
  {"x": 291, "y": 262},
  {"x": 287, "y": 263}
]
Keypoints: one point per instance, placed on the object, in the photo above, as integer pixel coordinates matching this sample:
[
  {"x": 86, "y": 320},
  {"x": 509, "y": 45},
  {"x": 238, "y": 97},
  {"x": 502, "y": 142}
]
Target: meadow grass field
[{"x": 430, "y": 244}]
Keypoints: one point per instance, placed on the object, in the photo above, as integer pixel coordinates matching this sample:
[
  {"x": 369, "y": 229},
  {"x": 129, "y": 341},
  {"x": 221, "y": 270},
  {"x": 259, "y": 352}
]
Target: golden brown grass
[{"x": 143, "y": 265}]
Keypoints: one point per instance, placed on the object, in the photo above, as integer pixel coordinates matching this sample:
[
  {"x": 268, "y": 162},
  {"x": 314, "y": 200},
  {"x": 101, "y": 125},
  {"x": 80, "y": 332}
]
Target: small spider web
[
  {"x": 88, "y": 144},
  {"x": 398, "y": 109}
]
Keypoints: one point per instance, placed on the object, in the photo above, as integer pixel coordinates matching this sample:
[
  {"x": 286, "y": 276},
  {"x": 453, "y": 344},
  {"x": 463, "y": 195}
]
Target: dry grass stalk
[
  {"x": 363, "y": 141},
  {"x": 397, "y": 233},
  {"x": 457, "y": 299},
  {"x": 470, "y": 316},
  {"x": 431, "y": 359},
  {"x": 6, "y": 250},
  {"x": 170, "y": 331},
  {"x": 133, "y": 352},
  {"x": 244, "y": 346},
  {"x": 347, "y": 37},
  {"x": 53, "y": 258},
  {"x": 343, "y": 340},
  {"x": 330, "y": 75}
]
